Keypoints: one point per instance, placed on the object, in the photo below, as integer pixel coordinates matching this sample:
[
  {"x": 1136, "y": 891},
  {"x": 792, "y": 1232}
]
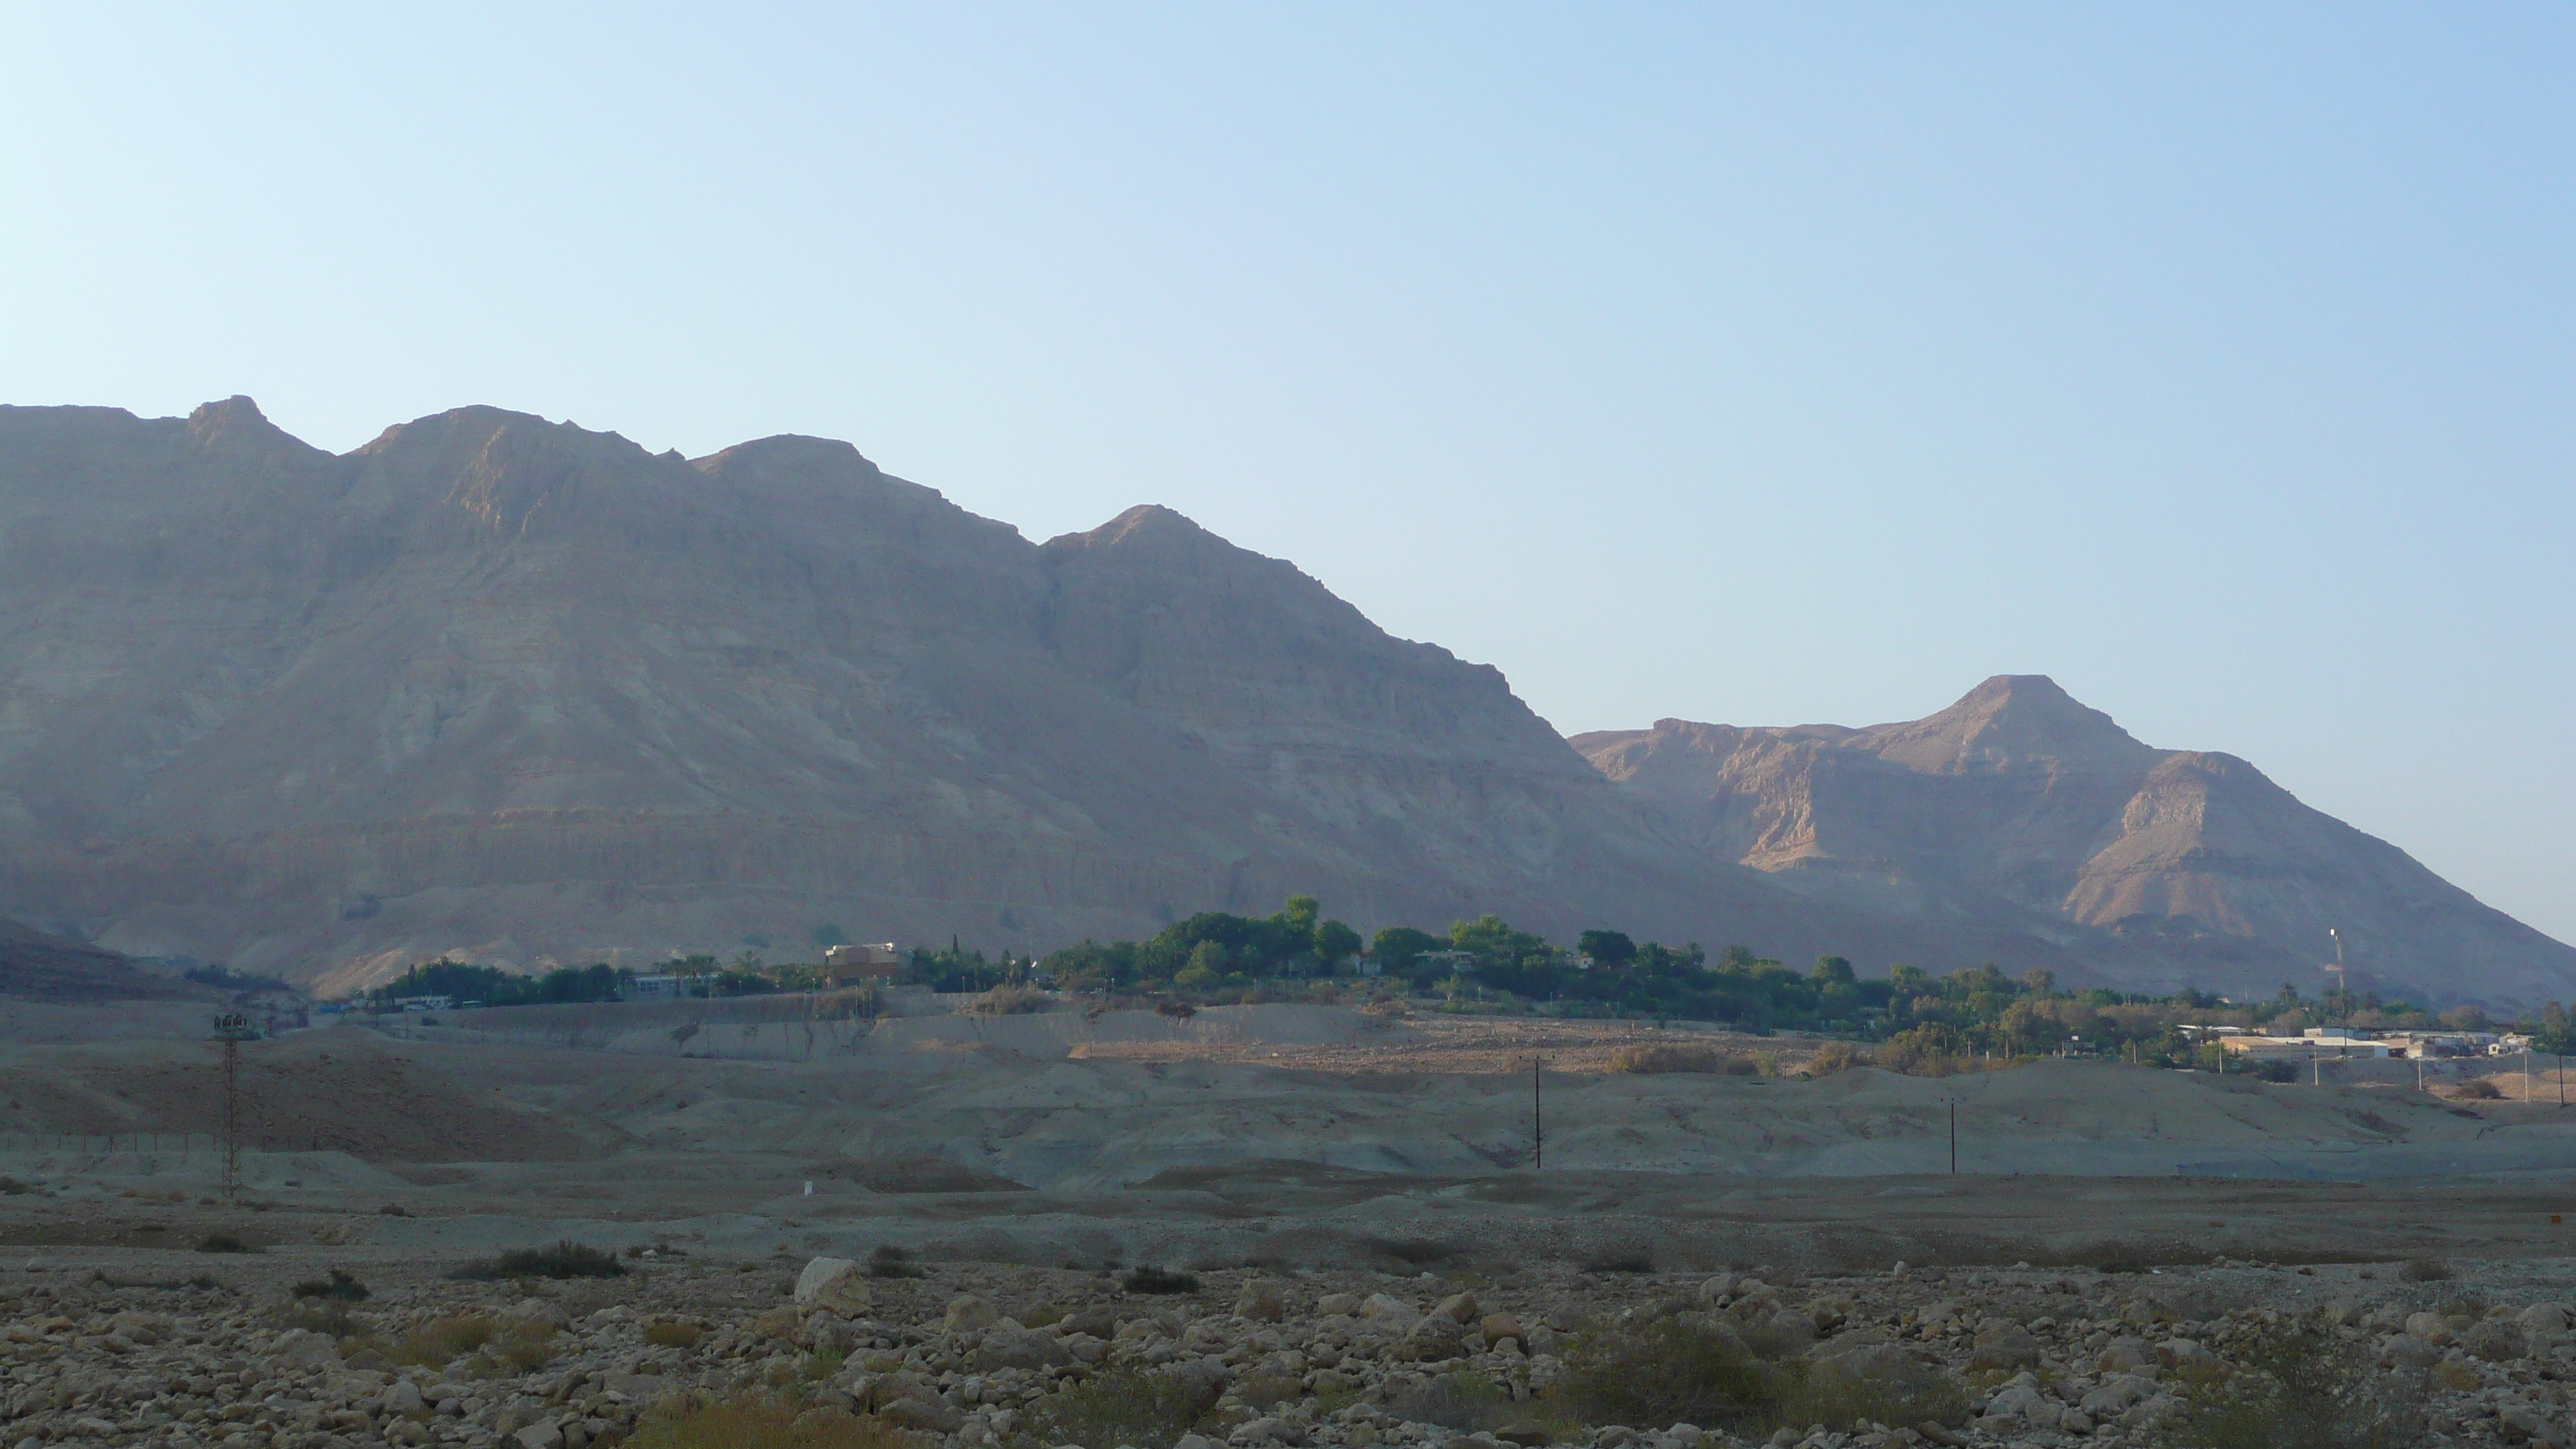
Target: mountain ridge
[
  {"x": 2018, "y": 802},
  {"x": 529, "y": 693}
]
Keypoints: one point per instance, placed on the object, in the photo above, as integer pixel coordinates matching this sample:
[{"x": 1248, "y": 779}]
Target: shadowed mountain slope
[
  {"x": 512, "y": 688},
  {"x": 2018, "y": 806}
]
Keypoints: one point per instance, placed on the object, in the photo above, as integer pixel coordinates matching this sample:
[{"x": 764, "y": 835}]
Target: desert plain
[{"x": 1257, "y": 1225}]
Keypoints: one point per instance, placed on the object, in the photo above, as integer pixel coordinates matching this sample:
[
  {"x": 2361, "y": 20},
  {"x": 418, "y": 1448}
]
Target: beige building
[{"x": 864, "y": 963}]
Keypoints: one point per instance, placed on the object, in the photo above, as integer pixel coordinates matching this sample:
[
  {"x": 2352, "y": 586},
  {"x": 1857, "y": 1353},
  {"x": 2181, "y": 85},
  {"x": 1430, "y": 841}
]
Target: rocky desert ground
[{"x": 1260, "y": 1226}]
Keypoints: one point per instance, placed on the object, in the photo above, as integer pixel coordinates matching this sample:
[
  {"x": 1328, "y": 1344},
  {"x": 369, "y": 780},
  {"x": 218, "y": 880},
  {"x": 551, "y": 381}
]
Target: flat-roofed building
[{"x": 881, "y": 961}]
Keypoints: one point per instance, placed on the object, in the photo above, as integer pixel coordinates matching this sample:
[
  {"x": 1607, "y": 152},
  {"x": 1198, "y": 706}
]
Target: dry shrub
[
  {"x": 1841, "y": 1401},
  {"x": 526, "y": 1346},
  {"x": 1837, "y": 1056},
  {"x": 1659, "y": 1057},
  {"x": 1010, "y": 1001},
  {"x": 2425, "y": 1270},
  {"x": 2295, "y": 1386},
  {"x": 2478, "y": 1089},
  {"x": 1268, "y": 1391},
  {"x": 1465, "y": 1402},
  {"x": 1677, "y": 1370},
  {"x": 669, "y": 1334},
  {"x": 329, "y": 1317},
  {"x": 1924, "y": 1051},
  {"x": 1696, "y": 1369},
  {"x": 442, "y": 1341},
  {"x": 765, "y": 1422},
  {"x": 1143, "y": 1408}
]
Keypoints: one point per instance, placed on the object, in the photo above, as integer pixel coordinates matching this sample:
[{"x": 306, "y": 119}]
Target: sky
[{"x": 1763, "y": 365}]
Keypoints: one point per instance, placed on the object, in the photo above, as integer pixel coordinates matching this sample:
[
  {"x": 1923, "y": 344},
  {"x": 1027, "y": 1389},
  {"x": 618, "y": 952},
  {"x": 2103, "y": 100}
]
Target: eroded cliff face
[
  {"x": 2022, "y": 809},
  {"x": 512, "y": 688}
]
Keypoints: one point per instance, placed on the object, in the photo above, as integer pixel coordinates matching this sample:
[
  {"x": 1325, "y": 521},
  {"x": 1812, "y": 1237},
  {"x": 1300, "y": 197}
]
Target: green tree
[
  {"x": 1398, "y": 947},
  {"x": 1298, "y": 920},
  {"x": 1834, "y": 969},
  {"x": 1611, "y": 949},
  {"x": 1494, "y": 941},
  {"x": 828, "y": 935},
  {"x": 1336, "y": 943}
]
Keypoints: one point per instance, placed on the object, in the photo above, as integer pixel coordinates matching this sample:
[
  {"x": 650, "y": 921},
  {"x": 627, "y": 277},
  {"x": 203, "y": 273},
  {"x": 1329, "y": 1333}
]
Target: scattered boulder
[
  {"x": 2495, "y": 1341},
  {"x": 968, "y": 1313},
  {"x": 1020, "y": 1348},
  {"x": 2004, "y": 1348},
  {"x": 2124, "y": 1355},
  {"x": 1261, "y": 1301},
  {"x": 401, "y": 1399},
  {"x": 927, "y": 1414},
  {"x": 2406, "y": 1351},
  {"x": 298, "y": 1348},
  {"x": 2433, "y": 1328},
  {"x": 834, "y": 1285}
]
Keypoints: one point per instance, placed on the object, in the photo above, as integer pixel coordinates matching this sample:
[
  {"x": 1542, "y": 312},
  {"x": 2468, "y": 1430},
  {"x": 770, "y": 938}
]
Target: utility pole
[
  {"x": 232, "y": 1028},
  {"x": 2343, "y": 980},
  {"x": 1538, "y": 1124},
  {"x": 1954, "y": 1137}
]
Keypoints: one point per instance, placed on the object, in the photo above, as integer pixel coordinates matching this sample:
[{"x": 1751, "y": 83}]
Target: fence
[{"x": 174, "y": 1143}]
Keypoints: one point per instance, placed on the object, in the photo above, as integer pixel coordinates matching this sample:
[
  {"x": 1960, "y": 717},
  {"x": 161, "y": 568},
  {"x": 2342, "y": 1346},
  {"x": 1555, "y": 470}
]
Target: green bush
[
  {"x": 566, "y": 1259},
  {"x": 1158, "y": 1280},
  {"x": 339, "y": 1287},
  {"x": 223, "y": 1243},
  {"x": 889, "y": 1261}
]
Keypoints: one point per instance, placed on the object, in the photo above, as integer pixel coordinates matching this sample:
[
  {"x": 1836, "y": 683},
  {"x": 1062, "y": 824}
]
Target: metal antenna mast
[{"x": 232, "y": 1028}]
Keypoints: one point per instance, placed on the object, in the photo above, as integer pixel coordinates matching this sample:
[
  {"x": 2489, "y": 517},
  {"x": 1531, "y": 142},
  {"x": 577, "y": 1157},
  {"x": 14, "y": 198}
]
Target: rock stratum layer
[
  {"x": 2019, "y": 808},
  {"x": 528, "y": 693}
]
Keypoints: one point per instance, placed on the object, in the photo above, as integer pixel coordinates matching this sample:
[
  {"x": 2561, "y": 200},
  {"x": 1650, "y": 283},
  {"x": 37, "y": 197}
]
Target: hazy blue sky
[{"x": 1762, "y": 365}]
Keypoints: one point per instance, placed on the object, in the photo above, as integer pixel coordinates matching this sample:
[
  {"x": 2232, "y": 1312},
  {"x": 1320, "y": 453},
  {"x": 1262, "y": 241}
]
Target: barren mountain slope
[
  {"x": 500, "y": 685},
  {"x": 2018, "y": 806}
]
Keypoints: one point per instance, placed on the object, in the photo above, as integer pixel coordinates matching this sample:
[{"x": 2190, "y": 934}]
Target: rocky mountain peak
[
  {"x": 1146, "y": 531},
  {"x": 2011, "y": 719},
  {"x": 235, "y": 427}
]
